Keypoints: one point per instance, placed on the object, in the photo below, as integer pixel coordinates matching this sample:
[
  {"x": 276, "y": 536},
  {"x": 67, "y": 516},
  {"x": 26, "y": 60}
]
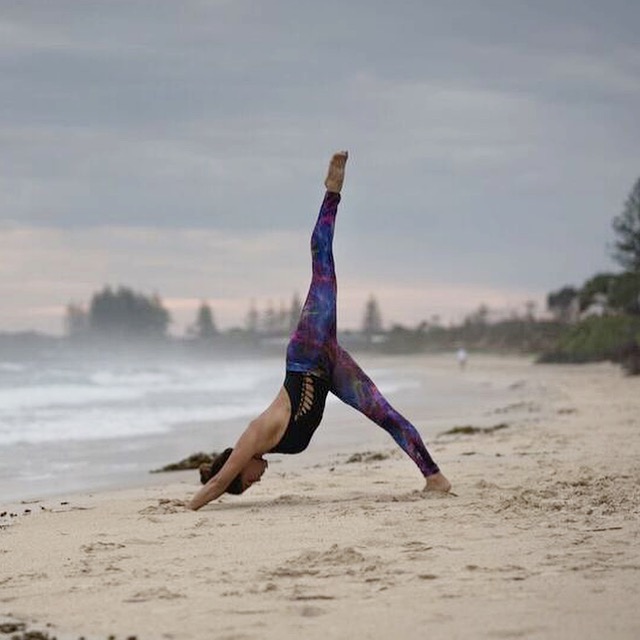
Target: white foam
[
  {"x": 60, "y": 395},
  {"x": 65, "y": 404}
]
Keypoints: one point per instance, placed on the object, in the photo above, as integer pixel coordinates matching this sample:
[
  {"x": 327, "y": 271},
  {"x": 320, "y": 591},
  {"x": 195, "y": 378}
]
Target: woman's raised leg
[{"x": 309, "y": 346}]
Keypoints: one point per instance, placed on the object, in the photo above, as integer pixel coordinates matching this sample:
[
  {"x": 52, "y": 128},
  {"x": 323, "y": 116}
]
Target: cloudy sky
[{"x": 180, "y": 148}]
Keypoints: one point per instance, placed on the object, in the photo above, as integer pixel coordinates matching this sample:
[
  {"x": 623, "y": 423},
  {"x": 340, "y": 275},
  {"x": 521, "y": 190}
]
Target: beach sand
[{"x": 540, "y": 541}]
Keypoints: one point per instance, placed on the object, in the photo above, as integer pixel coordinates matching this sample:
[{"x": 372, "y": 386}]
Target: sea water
[
  {"x": 69, "y": 425},
  {"x": 72, "y": 402}
]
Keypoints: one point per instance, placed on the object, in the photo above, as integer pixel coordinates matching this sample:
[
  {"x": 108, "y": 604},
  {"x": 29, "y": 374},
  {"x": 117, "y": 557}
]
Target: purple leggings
[{"x": 313, "y": 347}]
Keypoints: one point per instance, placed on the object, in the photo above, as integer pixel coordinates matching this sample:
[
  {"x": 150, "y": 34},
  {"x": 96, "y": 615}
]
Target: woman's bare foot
[
  {"x": 437, "y": 482},
  {"x": 335, "y": 173}
]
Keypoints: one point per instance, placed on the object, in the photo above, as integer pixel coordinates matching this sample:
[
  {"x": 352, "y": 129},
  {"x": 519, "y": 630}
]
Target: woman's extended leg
[
  {"x": 353, "y": 386},
  {"x": 310, "y": 344}
]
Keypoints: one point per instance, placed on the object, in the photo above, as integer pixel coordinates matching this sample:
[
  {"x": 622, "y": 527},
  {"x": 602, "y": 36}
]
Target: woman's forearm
[{"x": 210, "y": 491}]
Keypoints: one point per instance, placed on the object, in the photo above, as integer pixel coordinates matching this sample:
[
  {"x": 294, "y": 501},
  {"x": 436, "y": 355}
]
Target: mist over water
[{"x": 101, "y": 401}]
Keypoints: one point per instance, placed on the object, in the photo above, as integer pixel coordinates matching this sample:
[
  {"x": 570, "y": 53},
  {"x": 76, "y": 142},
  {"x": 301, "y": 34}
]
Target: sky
[{"x": 179, "y": 148}]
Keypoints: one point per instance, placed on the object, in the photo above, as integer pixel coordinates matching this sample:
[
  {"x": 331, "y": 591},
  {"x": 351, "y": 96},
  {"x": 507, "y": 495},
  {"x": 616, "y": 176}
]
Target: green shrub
[{"x": 595, "y": 339}]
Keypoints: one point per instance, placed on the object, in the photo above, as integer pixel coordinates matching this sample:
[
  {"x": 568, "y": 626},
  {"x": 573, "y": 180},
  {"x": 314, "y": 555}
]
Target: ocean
[{"x": 72, "y": 425}]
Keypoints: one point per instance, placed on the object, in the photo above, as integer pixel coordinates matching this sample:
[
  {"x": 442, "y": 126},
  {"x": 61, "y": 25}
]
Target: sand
[{"x": 541, "y": 540}]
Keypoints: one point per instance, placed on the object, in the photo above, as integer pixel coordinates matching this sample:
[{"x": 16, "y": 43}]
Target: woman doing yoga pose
[{"x": 316, "y": 365}]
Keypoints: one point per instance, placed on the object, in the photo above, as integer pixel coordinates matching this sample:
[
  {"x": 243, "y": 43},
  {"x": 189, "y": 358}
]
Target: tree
[
  {"x": 270, "y": 319},
  {"x": 76, "y": 320},
  {"x": 204, "y": 326},
  {"x": 294, "y": 312},
  {"x": 624, "y": 293},
  {"x": 530, "y": 310},
  {"x": 127, "y": 313},
  {"x": 615, "y": 291},
  {"x": 283, "y": 319},
  {"x": 562, "y": 302},
  {"x": 596, "y": 289},
  {"x": 372, "y": 321},
  {"x": 627, "y": 229},
  {"x": 479, "y": 317},
  {"x": 252, "y": 318}
]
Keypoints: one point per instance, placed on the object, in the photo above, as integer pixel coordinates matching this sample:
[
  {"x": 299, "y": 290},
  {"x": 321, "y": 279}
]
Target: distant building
[{"x": 598, "y": 307}]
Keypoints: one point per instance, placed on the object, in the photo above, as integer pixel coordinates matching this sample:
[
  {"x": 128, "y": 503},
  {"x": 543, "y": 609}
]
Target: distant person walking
[
  {"x": 462, "y": 357},
  {"x": 315, "y": 365}
]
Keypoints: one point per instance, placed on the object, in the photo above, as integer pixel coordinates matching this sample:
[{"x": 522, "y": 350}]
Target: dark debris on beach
[
  {"x": 191, "y": 462},
  {"x": 19, "y": 631},
  {"x": 9, "y": 516},
  {"x": 368, "y": 456},
  {"x": 469, "y": 430}
]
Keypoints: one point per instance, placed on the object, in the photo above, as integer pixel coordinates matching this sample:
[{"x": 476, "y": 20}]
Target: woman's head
[{"x": 251, "y": 473}]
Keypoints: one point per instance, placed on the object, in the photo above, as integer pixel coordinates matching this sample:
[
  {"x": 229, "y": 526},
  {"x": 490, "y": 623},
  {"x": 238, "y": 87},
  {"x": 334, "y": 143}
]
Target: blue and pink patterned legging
[{"x": 313, "y": 347}]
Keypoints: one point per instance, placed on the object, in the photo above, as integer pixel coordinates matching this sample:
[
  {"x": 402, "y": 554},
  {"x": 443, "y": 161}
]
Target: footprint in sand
[
  {"x": 22, "y": 579},
  {"x": 415, "y": 549},
  {"x": 589, "y": 494},
  {"x": 336, "y": 561},
  {"x": 416, "y": 546},
  {"x": 514, "y": 571},
  {"x": 303, "y": 592},
  {"x": 161, "y": 593},
  {"x": 311, "y": 612},
  {"x": 142, "y": 542},
  {"x": 97, "y": 547},
  {"x": 165, "y": 505}
]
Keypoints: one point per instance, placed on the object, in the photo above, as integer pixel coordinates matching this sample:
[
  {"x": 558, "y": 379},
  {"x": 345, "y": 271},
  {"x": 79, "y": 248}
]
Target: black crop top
[{"x": 308, "y": 395}]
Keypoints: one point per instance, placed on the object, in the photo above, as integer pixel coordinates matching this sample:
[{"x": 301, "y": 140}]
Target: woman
[{"x": 316, "y": 364}]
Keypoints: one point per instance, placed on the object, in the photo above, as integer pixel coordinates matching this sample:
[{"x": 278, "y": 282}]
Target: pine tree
[
  {"x": 205, "y": 326},
  {"x": 76, "y": 321},
  {"x": 252, "y": 318},
  {"x": 295, "y": 311},
  {"x": 372, "y": 321},
  {"x": 627, "y": 229}
]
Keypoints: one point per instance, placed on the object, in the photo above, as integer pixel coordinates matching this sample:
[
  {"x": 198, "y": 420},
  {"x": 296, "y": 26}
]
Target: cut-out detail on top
[
  {"x": 307, "y": 394},
  {"x": 306, "y": 397}
]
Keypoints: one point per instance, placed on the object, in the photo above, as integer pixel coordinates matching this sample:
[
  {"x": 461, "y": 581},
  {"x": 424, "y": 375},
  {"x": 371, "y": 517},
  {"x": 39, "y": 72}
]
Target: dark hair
[{"x": 207, "y": 471}]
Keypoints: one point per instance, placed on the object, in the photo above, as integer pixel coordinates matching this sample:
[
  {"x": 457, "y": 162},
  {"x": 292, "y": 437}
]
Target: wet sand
[{"x": 541, "y": 540}]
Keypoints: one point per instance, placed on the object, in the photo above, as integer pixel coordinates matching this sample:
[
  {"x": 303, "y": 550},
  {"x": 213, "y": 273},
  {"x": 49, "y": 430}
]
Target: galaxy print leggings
[{"x": 313, "y": 347}]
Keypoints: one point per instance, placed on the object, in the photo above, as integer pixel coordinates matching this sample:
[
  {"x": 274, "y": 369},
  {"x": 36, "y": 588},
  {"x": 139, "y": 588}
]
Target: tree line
[
  {"x": 122, "y": 313},
  {"x": 599, "y": 319}
]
